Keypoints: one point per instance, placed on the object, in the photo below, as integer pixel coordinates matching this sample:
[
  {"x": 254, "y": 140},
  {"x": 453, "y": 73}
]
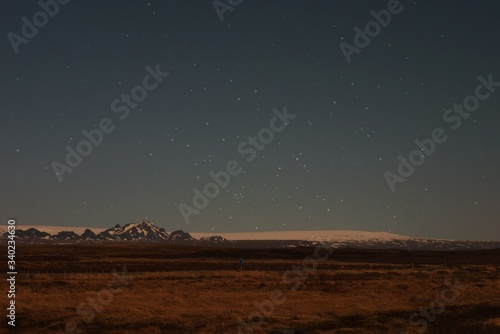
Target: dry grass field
[{"x": 345, "y": 294}]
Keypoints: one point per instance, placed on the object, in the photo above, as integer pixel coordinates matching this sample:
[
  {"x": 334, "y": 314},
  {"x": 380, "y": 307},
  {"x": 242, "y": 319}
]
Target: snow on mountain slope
[
  {"x": 328, "y": 235},
  {"x": 146, "y": 231},
  {"x": 135, "y": 231},
  {"x": 312, "y": 235}
]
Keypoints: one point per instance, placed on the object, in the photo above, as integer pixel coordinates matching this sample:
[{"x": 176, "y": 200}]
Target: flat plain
[{"x": 165, "y": 288}]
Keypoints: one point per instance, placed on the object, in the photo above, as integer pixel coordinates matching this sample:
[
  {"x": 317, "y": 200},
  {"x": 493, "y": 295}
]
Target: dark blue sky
[{"x": 325, "y": 170}]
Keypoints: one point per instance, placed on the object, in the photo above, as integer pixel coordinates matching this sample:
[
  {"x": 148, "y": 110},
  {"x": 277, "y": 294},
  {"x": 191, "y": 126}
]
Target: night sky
[{"x": 324, "y": 170}]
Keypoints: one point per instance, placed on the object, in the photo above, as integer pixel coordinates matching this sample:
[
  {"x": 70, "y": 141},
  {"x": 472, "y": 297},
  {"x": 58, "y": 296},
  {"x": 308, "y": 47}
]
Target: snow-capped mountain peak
[{"x": 135, "y": 231}]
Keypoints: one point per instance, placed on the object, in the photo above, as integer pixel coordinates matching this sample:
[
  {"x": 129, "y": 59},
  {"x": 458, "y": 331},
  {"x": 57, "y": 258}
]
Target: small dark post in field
[{"x": 242, "y": 264}]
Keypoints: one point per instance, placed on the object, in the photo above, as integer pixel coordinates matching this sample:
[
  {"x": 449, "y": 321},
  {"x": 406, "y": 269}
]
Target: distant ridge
[
  {"x": 146, "y": 231},
  {"x": 143, "y": 231},
  {"x": 312, "y": 235}
]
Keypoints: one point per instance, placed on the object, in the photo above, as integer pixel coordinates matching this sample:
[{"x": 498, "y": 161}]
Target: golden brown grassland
[{"x": 339, "y": 297}]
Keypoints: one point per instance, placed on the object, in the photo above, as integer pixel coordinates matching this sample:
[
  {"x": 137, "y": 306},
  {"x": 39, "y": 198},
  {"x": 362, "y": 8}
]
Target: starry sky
[{"x": 324, "y": 171}]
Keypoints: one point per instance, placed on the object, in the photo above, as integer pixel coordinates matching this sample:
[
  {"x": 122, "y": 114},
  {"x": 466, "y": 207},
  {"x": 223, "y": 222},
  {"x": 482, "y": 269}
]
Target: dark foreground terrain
[{"x": 165, "y": 288}]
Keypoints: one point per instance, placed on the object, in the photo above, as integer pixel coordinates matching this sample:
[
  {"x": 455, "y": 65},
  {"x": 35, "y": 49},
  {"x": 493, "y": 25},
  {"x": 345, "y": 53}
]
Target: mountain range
[
  {"x": 148, "y": 232},
  {"x": 143, "y": 231}
]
